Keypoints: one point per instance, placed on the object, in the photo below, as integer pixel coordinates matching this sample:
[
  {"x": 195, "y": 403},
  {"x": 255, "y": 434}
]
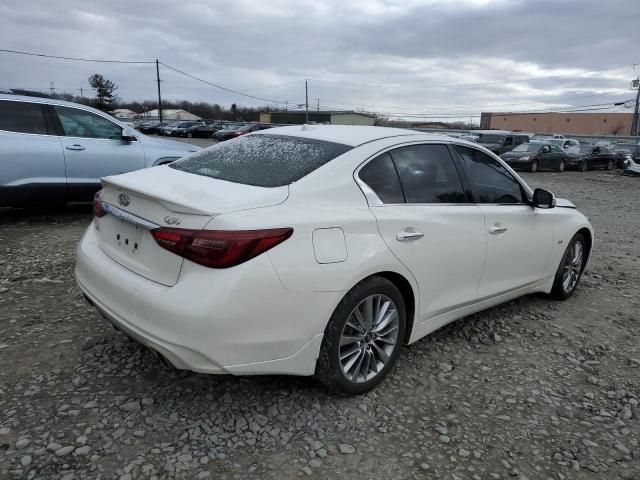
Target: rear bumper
[{"x": 239, "y": 320}]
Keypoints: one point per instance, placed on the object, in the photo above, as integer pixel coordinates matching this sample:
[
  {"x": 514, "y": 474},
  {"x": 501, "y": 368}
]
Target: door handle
[
  {"x": 495, "y": 230},
  {"x": 74, "y": 147},
  {"x": 409, "y": 234}
]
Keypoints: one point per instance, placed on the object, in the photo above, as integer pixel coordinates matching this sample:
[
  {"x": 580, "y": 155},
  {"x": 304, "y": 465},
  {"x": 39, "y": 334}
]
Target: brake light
[
  {"x": 98, "y": 210},
  {"x": 219, "y": 248}
]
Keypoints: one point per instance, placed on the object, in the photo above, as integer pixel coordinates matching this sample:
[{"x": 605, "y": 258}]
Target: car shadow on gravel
[{"x": 46, "y": 214}]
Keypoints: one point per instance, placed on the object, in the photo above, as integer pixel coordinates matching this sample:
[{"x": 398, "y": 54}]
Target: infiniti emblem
[
  {"x": 124, "y": 200},
  {"x": 172, "y": 220}
]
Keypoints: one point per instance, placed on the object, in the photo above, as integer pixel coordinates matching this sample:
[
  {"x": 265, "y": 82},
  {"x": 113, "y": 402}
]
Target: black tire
[
  {"x": 559, "y": 290},
  {"x": 534, "y": 166},
  {"x": 583, "y": 166},
  {"x": 328, "y": 369},
  {"x": 561, "y": 166},
  {"x": 610, "y": 165}
]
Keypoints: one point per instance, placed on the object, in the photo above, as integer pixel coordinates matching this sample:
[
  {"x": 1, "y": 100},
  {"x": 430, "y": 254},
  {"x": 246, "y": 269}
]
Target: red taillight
[
  {"x": 219, "y": 248},
  {"x": 98, "y": 210}
]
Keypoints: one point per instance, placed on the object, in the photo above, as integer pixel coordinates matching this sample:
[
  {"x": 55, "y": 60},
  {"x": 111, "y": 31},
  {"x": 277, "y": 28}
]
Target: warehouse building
[
  {"x": 322, "y": 117},
  {"x": 172, "y": 114},
  {"x": 572, "y": 123}
]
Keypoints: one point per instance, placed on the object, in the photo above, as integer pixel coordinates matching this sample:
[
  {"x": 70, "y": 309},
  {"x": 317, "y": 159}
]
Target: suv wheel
[
  {"x": 534, "y": 166},
  {"x": 584, "y": 166}
]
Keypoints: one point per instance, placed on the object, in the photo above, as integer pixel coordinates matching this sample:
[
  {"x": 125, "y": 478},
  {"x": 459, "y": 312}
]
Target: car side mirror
[
  {"x": 543, "y": 198},
  {"x": 127, "y": 136}
]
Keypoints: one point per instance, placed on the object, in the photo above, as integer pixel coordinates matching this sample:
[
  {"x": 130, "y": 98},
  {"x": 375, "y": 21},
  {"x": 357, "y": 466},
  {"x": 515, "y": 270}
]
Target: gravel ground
[{"x": 531, "y": 389}]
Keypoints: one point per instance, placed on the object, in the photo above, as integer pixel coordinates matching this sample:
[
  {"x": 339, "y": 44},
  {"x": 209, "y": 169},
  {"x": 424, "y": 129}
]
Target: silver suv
[{"x": 53, "y": 151}]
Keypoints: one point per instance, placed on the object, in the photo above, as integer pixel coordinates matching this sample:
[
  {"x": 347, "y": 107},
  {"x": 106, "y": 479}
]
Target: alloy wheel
[
  {"x": 561, "y": 166},
  {"x": 368, "y": 338},
  {"x": 573, "y": 266}
]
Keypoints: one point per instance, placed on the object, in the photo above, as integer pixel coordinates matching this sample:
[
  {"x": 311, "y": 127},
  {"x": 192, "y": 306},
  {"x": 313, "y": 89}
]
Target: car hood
[
  {"x": 563, "y": 202},
  {"x": 518, "y": 154},
  {"x": 489, "y": 145},
  {"x": 172, "y": 146}
]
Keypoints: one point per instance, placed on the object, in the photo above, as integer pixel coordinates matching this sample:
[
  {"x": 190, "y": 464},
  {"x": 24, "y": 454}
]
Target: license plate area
[{"x": 127, "y": 236}]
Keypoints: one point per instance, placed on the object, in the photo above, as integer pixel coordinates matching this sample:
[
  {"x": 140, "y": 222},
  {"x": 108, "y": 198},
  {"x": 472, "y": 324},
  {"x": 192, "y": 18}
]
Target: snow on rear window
[{"x": 261, "y": 160}]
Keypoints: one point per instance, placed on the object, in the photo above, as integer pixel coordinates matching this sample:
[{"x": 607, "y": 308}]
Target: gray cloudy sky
[{"x": 391, "y": 56}]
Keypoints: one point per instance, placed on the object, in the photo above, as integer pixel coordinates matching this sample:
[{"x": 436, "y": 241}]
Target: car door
[
  {"x": 32, "y": 168},
  {"x": 519, "y": 238},
  {"x": 557, "y": 155},
  {"x": 545, "y": 157},
  {"x": 606, "y": 156},
  {"x": 428, "y": 223},
  {"x": 93, "y": 148}
]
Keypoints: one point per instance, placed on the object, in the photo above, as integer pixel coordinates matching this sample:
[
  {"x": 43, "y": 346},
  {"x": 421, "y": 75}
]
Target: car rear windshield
[
  {"x": 528, "y": 147},
  {"x": 261, "y": 160}
]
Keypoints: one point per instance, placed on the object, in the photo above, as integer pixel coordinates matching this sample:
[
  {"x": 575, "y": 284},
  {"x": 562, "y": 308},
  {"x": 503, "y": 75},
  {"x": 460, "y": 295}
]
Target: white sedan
[{"x": 320, "y": 250}]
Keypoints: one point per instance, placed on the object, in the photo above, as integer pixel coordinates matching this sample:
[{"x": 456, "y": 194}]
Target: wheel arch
[
  {"x": 589, "y": 239},
  {"x": 408, "y": 295}
]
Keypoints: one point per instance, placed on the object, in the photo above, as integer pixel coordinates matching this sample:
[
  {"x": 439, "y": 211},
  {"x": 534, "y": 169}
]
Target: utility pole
[
  {"x": 306, "y": 102},
  {"x": 286, "y": 105},
  {"x": 318, "y": 107},
  {"x": 635, "y": 124},
  {"x": 159, "y": 97},
  {"x": 52, "y": 88},
  {"x": 81, "y": 96}
]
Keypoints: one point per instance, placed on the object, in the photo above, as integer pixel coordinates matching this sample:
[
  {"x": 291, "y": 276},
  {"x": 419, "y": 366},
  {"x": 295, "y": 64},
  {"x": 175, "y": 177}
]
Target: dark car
[
  {"x": 536, "y": 156},
  {"x": 623, "y": 150},
  {"x": 147, "y": 127},
  {"x": 201, "y": 131},
  {"x": 183, "y": 128},
  {"x": 500, "y": 143},
  {"x": 238, "y": 131},
  {"x": 592, "y": 156}
]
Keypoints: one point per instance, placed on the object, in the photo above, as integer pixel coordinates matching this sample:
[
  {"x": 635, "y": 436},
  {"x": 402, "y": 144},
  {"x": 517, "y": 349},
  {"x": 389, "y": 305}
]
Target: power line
[
  {"x": 78, "y": 59},
  {"x": 334, "y": 102},
  {"x": 220, "y": 86},
  {"x": 574, "y": 109}
]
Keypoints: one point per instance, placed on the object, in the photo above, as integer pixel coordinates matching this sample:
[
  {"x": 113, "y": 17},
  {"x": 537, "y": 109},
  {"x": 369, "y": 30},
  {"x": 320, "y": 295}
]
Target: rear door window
[
  {"x": 428, "y": 174},
  {"x": 382, "y": 178},
  {"x": 22, "y": 117},
  {"x": 261, "y": 160}
]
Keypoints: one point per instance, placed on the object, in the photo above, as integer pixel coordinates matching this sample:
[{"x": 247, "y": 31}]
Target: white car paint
[{"x": 268, "y": 315}]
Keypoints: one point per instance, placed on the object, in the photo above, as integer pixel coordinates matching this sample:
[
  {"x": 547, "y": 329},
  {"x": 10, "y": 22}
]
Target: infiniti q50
[{"x": 320, "y": 250}]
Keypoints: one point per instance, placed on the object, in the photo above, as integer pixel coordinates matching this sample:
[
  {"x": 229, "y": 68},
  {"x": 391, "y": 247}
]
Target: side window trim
[
  {"x": 523, "y": 190},
  {"x": 373, "y": 199}
]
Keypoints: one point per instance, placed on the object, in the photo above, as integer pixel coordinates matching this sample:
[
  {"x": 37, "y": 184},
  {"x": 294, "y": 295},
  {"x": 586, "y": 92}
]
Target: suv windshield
[
  {"x": 261, "y": 160},
  {"x": 491, "y": 139},
  {"x": 527, "y": 147}
]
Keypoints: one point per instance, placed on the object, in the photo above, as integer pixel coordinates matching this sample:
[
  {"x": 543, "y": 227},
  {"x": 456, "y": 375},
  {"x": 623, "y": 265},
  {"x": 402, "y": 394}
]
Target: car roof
[
  {"x": 352, "y": 135},
  {"x": 50, "y": 101}
]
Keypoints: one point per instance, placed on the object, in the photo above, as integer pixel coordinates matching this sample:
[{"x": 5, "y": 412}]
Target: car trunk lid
[{"x": 141, "y": 201}]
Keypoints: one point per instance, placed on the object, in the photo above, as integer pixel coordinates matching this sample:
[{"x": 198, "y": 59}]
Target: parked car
[
  {"x": 569, "y": 145},
  {"x": 201, "y": 131},
  {"x": 152, "y": 127},
  {"x": 53, "y": 151},
  {"x": 624, "y": 150},
  {"x": 167, "y": 129},
  {"x": 320, "y": 250},
  {"x": 536, "y": 156},
  {"x": 183, "y": 128},
  {"x": 500, "y": 143},
  {"x": 592, "y": 156},
  {"x": 238, "y": 131}
]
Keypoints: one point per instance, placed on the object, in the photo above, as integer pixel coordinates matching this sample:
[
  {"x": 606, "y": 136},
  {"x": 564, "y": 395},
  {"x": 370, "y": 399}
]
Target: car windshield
[
  {"x": 628, "y": 147},
  {"x": 586, "y": 148},
  {"x": 527, "y": 147},
  {"x": 491, "y": 139},
  {"x": 261, "y": 160},
  {"x": 557, "y": 141}
]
